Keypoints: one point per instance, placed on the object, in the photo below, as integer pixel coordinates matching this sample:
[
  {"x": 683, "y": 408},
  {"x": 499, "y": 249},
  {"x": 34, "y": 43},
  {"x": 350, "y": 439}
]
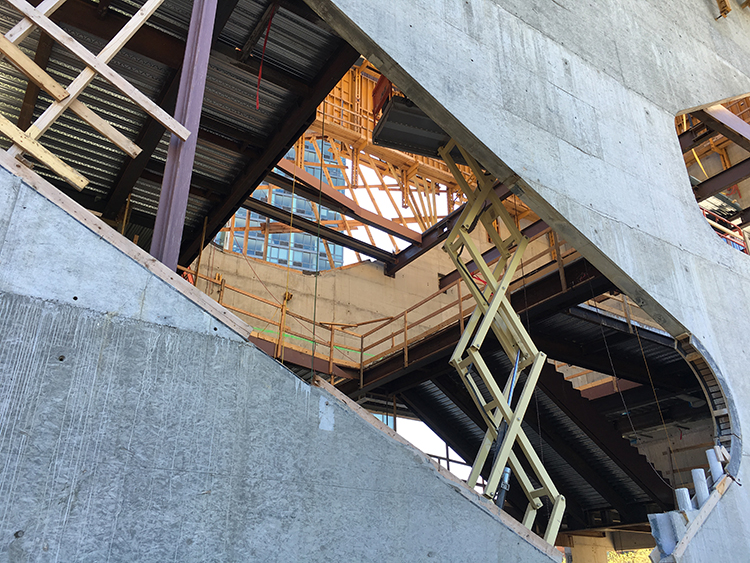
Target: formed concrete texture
[
  {"x": 132, "y": 431},
  {"x": 579, "y": 100}
]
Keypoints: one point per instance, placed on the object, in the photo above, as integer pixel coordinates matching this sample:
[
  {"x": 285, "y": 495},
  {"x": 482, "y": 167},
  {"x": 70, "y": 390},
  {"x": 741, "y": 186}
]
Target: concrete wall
[
  {"x": 579, "y": 99},
  {"x": 137, "y": 425}
]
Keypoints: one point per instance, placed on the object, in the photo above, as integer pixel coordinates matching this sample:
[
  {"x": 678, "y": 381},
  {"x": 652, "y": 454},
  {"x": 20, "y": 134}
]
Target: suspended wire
[
  {"x": 617, "y": 379},
  {"x": 317, "y": 246},
  {"x": 658, "y": 405}
]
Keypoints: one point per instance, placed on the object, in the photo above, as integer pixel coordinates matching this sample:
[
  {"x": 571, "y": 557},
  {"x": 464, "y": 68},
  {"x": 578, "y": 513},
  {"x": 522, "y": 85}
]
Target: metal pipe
[{"x": 505, "y": 480}]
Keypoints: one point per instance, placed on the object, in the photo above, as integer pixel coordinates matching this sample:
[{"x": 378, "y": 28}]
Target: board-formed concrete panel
[
  {"x": 138, "y": 433},
  {"x": 579, "y": 99}
]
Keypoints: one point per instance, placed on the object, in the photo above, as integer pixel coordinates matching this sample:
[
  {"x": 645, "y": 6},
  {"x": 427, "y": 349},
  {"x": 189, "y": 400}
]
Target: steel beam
[
  {"x": 271, "y": 73},
  {"x": 148, "y": 139},
  {"x": 539, "y": 300},
  {"x": 298, "y": 358},
  {"x": 422, "y": 409},
  {"x": 434, "y": 236},
  {"x": 175, "y": 189},
  {"x": 606, "y": 320},
  {"x": 147, "y": 41},
  {"x": 631, "y": 369},
  {"x": 583, "y": 413},
  {"x": 492, "y": 255},
  {"x": 695, "y": 136},
  {"x": 460, "y": 397},
  {"x": 337, "y": 201},
  {"x": 720, "y": 119},
  {"x": 679, "y": 413},
  {"x": 257, "y": 31},
  {"x": 152, "y": 131},
  {"x": 723, "y": 180},
  {"x": 295, "y": 124},
  {"x": 313, "y": 228},
  {"x": 743, "y": 216},
  {"x": 430, "y": 239},
  {"x": 641, "y": 396}
]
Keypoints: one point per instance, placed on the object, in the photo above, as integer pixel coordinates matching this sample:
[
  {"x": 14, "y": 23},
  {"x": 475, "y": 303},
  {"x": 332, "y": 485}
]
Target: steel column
[{"x": 170, "y": 217}]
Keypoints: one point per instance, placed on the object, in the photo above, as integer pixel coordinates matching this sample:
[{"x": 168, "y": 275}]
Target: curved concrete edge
[
  {"x": 733, "y": 467},
  {"x": 580, "y": 103}
]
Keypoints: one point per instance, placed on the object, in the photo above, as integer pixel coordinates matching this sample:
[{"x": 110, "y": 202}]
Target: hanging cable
[
  {"x": 658, "y": 405},
  {"x": 317, "y": 246},
  {"x": 263, "y": 57},
  {"x": 617, "y": 379}
]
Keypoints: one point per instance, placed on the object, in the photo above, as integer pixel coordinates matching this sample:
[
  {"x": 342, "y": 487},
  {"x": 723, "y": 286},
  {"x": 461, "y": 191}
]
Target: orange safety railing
[
  {"x": 447, "y": 305},
  {"x": 354, "y": 345},
  {"x": 730, "y": 233}
]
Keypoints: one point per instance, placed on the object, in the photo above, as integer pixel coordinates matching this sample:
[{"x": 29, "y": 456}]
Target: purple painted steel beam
[
  {"x": 170, "y": 217},
  {"x": 720, "y": 119}
]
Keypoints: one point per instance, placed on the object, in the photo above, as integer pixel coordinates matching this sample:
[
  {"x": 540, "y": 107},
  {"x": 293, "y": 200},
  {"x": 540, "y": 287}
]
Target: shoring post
[{"x": 222, "y": 287}]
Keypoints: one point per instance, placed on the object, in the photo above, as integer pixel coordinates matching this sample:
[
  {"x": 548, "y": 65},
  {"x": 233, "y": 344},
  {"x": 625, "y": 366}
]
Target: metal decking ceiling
[{"x": 234, "y": 134}]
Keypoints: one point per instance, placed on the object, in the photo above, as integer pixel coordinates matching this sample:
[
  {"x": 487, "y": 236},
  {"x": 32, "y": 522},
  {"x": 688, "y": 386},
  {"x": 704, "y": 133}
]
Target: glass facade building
[{"x": 295, "y": 250}]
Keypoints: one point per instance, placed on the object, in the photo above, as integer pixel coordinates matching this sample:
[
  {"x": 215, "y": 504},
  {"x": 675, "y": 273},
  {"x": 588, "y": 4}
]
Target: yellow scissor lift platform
[{"x": 494, "y": 312}]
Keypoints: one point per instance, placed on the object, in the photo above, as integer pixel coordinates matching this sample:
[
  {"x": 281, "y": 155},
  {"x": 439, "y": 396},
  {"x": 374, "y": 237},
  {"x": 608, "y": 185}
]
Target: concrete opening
[{"x": 639, "y": 370}]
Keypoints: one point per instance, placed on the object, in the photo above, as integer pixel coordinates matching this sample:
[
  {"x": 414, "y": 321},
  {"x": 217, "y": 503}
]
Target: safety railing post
[
  {"x": 361, "y": 361},
  {"x": 222, "y": 287},
  {"x": 406, "y": 341},
  {"x": 330, "y": 351}
]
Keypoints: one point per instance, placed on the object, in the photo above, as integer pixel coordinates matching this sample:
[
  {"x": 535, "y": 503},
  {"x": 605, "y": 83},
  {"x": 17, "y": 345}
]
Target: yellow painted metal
[{"x": 494, "y": 312}]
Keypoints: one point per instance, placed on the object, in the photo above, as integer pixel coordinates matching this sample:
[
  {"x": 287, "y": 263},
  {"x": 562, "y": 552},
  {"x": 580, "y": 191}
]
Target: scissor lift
[{"x": 494, "y": 312}]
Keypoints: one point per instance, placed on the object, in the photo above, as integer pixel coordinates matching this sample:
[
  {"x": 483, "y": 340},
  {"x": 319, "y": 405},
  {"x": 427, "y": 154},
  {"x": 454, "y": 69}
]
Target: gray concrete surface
[
  {"x": 126, "y": 435},
  {"x": 579, "y": 100},
  {"x": 45, "y": 253}
]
